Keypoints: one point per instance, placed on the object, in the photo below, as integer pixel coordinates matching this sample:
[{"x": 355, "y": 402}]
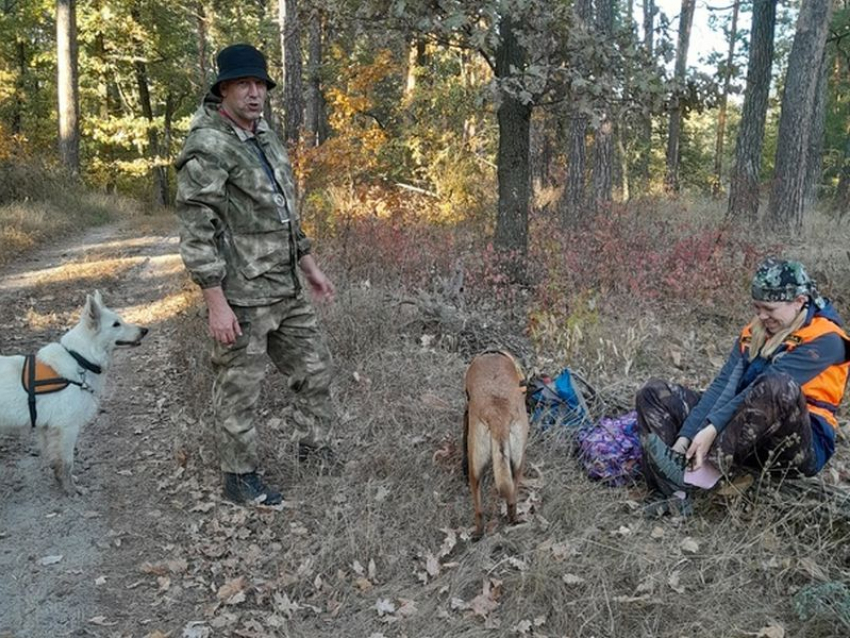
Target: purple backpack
[{"x": 610, "y": 450}]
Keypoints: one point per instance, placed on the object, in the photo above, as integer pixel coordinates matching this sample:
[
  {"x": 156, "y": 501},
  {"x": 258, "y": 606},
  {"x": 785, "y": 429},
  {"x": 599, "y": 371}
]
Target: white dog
[{"x": 57, "y": 390}]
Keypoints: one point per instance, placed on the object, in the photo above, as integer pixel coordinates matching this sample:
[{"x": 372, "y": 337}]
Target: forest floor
[{"x": 381, "y": 549}]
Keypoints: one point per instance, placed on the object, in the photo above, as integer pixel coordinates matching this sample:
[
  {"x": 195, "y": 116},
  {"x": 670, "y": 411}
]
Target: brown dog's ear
[{"x": 91, "y": 311}]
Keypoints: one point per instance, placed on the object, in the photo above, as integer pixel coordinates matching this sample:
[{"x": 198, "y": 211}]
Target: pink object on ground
[{"x": 705, "y": 477}]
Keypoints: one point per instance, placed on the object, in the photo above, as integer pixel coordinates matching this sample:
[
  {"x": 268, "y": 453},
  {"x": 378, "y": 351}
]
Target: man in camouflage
[
  {"x": 772, "y": 406},
  {"x": 242, "y": 243}
]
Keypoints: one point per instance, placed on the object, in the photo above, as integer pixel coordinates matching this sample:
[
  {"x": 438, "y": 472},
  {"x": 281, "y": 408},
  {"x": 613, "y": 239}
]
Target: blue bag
[{"x": 556, "y": 402}]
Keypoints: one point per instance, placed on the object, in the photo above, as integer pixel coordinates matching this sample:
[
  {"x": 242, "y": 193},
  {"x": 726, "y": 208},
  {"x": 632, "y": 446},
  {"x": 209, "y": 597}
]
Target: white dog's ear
[
  {"x": 98, "y": 298},
  {"x": 91, "y": 311}
]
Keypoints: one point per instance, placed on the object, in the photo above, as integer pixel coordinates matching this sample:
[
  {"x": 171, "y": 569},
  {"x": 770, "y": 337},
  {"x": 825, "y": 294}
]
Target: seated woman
[{"x": 771, "y": 407}]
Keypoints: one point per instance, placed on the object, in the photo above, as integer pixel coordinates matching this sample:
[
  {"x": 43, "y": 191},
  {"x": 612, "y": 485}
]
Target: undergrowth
[{"x": 383, "y": 548}]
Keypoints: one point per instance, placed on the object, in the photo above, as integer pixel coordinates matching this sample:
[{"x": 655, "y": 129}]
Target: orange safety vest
[{"x": 824, "y": 392}]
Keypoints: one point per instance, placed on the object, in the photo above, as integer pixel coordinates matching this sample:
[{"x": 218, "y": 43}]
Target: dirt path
[{"x": 66, "y": 563}]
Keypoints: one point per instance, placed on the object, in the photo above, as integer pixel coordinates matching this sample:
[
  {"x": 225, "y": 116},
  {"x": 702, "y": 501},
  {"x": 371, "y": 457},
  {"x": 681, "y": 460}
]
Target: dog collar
[{"x": 85, "y": 363}]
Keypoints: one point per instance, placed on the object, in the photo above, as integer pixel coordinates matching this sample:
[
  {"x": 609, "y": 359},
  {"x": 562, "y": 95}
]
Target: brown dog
[{"x": 495, "y": 428}]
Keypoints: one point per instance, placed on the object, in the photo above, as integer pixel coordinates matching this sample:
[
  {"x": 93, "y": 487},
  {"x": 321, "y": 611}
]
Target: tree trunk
[
  {"x": 674, "y": 133},
  {"x": 290, "y": 46},
  {"x": 158, "y": 171},
  {"x": 67, "y": 87},
  {"x": 167, "y": 120},
  {"x": 110, "y": 106},
  {"x": 623, "y": 162},
  {"x": 201, "y": 19},
  {"x": 795, "y": 122},
  {"x": 20, "y": 88},
  {"x": 814, "y": 154},
  {"x": 644, "y": 142},
  {"x": 842, "y": 193},
  {"x": 312, "y": 104},
  {"x": 415, "y": 61},
  {"x": 573, "y": 198},
  {"x": 160, "y": 194},
  {"x": 513, "y": 155},
  {"x": 745, "y": 176},
  {"x": 572, "y": 203},
  {"x": 724, "y": 97},
  {"x": 603, "y": 161}
]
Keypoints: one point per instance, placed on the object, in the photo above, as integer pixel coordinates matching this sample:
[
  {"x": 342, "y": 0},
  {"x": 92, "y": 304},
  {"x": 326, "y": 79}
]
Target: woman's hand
[{"x": 700, "y": 446}]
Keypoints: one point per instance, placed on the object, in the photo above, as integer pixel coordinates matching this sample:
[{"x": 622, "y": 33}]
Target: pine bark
[
  {"x": 814, "y": 154},
  {"x": 787, "y": 197},
  {"x": 513, "y": 171},
  {"x": 572, "y": 202},
  {"x": 293, "y": 93},
  {"x": 603, "y": 160},
  {"x": 313, "y": 97},
  {"x": 745, "y": 176}
]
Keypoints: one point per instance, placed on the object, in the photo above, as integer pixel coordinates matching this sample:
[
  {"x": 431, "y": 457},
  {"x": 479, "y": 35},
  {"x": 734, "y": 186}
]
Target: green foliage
[{"x": 422, "y": 118}]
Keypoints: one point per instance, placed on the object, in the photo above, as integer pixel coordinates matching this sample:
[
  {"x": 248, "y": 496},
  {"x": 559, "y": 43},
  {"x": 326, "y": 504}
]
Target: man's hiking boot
[
  {"x": 320, "y": 455},
  {"x": 666, "y": 465},
  {"x": 249, "y": 488}
]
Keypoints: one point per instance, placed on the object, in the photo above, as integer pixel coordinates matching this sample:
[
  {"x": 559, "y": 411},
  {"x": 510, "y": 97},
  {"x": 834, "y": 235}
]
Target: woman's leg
[
  {"x": 770, "y": 431},
  {"x": 662, "y": 408}
]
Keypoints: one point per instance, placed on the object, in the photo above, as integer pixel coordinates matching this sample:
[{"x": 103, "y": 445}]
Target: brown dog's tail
[{"x": 502, "y": 473}]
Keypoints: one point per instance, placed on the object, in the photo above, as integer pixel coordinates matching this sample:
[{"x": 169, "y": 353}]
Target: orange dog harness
[{"x": 39, "y": 378}]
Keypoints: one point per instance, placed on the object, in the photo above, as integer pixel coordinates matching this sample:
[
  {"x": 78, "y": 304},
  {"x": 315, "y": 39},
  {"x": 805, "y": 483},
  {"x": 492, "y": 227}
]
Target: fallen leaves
[
  {"x": 284, "y": 605},
  {"x": 488, "y": 600},
  {"x": 233, "y": 591},
  {"x": 572, "y": 580},
  {"x": 771, "y": 631},
  {"x": 50, "y": 560},
  {"x": 384, "y": 607},
  {"x": 674, "y": 582},
  {"x": 689, "y": 545},
  {"x": 101, "y": 621}
]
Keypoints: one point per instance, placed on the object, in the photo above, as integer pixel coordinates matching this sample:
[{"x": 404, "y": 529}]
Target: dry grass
[
  {"x": 382, "y": 549},
  {"x": 38, "y": 205}
]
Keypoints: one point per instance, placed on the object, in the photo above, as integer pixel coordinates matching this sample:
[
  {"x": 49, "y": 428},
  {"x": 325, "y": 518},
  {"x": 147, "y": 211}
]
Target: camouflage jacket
[{"x": 237, "y": 229}]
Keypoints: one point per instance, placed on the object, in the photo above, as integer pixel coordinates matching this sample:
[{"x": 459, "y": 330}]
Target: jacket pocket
[{"x": 256, "y": 254}]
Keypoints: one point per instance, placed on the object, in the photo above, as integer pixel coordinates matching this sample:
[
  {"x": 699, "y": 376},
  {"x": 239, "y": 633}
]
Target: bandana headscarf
[{"x": 784, "y": 280}]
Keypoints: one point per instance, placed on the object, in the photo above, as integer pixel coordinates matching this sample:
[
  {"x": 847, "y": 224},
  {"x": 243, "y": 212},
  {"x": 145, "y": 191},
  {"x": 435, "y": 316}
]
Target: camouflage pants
[
  {"x": 288, "y": 333},
  {"x": 769, "y": 431}
]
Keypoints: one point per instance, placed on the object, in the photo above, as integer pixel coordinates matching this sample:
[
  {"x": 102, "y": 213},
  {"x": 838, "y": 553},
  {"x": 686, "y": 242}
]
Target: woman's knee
[
  {"x": 651, "y": 391},
  {"x": 778, "y": 388}
]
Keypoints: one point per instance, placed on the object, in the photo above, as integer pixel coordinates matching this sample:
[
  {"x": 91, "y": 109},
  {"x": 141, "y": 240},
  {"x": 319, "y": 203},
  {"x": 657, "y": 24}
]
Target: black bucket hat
[{"x": 241, "y": 61}]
